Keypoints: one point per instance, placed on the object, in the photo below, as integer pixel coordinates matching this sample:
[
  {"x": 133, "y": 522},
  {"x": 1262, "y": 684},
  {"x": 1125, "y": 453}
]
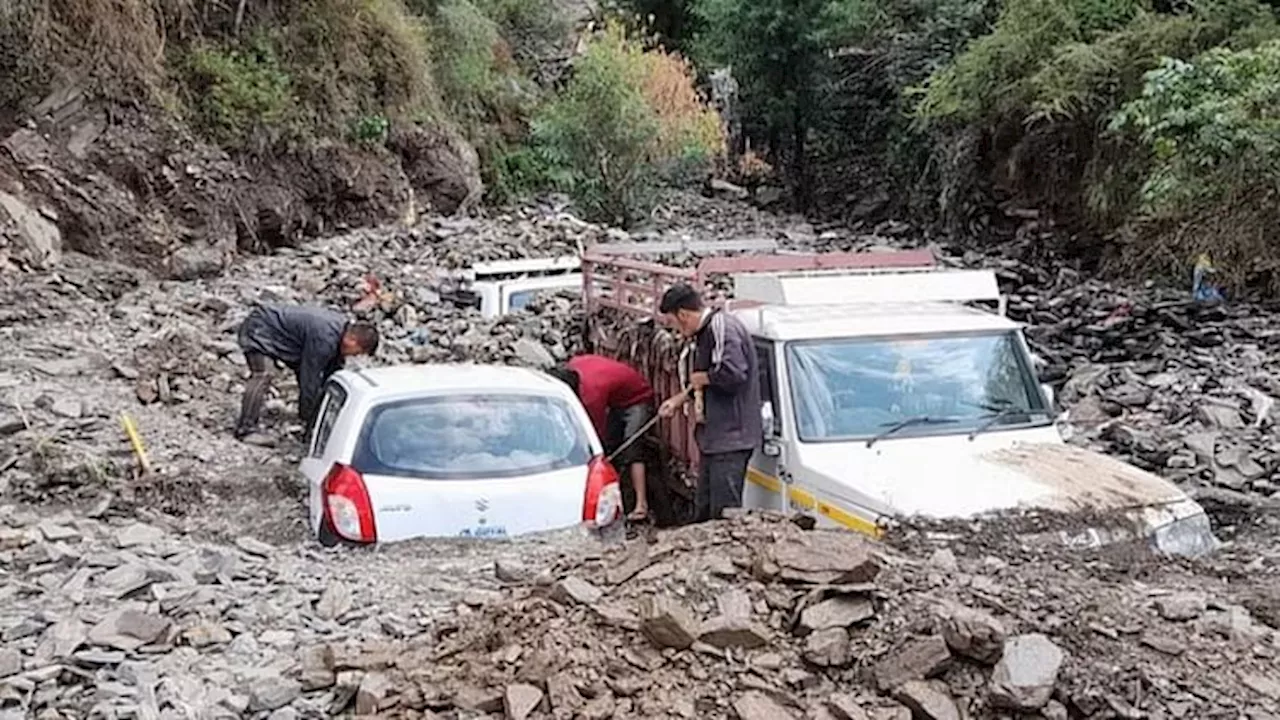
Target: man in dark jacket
[
  {"x": 726, "y": 370},
  {"x": 313, "y": 342}
]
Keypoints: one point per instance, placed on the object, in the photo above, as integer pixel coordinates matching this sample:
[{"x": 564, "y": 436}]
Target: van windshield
[
  {"x": 460, "y": 437},
  {"x": 846, "y": 389}
]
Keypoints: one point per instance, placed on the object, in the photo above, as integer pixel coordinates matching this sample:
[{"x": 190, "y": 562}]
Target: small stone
[
  {"x": 1261, "y": 684},
  {"x": 317, "y": 668},
  {"x": 511, "y": 571},
  {"x": 972, "y": 633},
  {"x": 61, "y": 640},
  {"x": 1027, "y": 672},
  {"x": 841, "y": 611},
  {"x": 563, "y": 693},
  {"x": 533, "y": 353},
  {"x": 928, "y": 700},
  {"x": 666, "y": 623},
  {"x": 206, "y": 634},
  {"x": 575, "y": 590},
  {"x": 129, "y": 630},
  {"x": 71, "y": 408},
  {"x": 53, "y": 532},
  {"x": 138, "y": 534},
  {"x": 944, "y": 560},
  {"x": 756, "y": 705},
  {"x": 284, "y": 713},
  {"x": 828, "y": 648},
  {"x": 1182, "y": 606},
  {"x": 334, "y": 602},
  {"x": 254, "y": 546},
  {"x": 732, "y": 631},
  {"x": 272, "y": 692},
  {"x": 845, "y": 707},
  {"x": 1163, "y": 643},
  {"x": 520, "y": 701},
  {"x": 372, "y": 693},
  {"x": 916, "y": 660},
  {"x": 10, "y": 662},
  {"x": 479, "y": 700}
]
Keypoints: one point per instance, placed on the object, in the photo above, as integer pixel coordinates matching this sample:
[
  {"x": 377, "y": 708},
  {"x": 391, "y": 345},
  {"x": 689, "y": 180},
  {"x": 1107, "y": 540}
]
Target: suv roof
[
  {"x": 789, "y": 322},
  {"x": 449, "y": 377}
]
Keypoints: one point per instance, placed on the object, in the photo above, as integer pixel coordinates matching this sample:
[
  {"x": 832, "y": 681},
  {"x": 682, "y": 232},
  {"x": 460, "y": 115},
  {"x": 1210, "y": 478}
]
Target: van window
[
  {"x": 459, "y": 437},
  {"x": 519, "y": 300},
  {"x": 854, "y": 388},
  {"x": 335, "y": 396}
]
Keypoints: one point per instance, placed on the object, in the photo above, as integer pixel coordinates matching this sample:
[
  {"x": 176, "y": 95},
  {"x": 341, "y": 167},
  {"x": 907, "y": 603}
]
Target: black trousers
[
  {"x": 261, "y": 370},
  {"x": 720, "y": 483}
]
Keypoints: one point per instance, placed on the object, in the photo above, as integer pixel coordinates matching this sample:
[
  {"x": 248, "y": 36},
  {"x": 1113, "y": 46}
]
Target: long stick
[{"x": 640, "y": 433}]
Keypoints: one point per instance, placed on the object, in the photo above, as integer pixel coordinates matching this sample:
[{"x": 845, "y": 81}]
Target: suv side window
[
  {"x": 768, "y": 385},
  {"x": 335, "y": 396}
]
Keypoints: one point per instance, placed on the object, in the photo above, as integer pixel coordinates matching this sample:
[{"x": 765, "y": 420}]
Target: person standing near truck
[
  {"x": 726, "y": 370},
  {"x": 620, "y": 403},
  {"x": 313, "y": 342}
]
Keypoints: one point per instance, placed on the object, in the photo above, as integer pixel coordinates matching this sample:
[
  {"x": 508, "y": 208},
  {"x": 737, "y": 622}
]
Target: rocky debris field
[
  {"x": 751, "y": 618},
  {"x": 192, "y": 591}
]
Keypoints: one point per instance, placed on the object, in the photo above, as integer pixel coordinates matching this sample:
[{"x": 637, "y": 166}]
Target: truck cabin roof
[{"x": 812, "y": 322}]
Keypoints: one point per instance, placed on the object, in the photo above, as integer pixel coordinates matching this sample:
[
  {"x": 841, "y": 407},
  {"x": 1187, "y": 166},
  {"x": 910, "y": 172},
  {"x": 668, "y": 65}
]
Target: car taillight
[
  {"x": 603, "y": 502},
  {"x": 347, "y": 506}
]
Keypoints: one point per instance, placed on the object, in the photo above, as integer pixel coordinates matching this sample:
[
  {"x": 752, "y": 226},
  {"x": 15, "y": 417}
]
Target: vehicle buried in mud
[
  {"x": 473, "y": 451},
  {"x": 888, "y": 392}
]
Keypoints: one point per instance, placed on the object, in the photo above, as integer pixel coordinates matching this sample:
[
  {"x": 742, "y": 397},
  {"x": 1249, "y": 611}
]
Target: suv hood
[{"x": 955, "y": 478}]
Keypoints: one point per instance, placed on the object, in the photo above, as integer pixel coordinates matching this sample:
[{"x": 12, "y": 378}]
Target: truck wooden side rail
[{"x": 621, "y": 297}]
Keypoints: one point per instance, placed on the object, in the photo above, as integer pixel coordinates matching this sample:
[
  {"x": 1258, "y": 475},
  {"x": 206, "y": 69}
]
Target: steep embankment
[{"x": 170, "y": 136}]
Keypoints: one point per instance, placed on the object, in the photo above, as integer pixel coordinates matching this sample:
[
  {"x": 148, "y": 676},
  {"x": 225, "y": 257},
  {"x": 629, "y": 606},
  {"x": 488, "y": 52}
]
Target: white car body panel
[
  {"x": 408, "y": 507},
  {"x": 503, "y": 507}
]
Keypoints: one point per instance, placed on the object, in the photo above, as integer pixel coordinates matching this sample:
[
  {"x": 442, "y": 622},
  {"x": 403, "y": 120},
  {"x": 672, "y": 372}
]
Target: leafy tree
[{"x": 778, "y": 52}]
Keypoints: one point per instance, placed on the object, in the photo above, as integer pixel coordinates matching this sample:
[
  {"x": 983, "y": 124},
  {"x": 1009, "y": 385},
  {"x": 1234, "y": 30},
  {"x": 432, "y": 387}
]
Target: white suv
[{"x": 453, "y": 451}]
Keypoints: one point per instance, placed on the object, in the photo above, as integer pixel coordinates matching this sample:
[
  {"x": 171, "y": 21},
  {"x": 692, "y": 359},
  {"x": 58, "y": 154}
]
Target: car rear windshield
[{"x": 460, "y": 437}]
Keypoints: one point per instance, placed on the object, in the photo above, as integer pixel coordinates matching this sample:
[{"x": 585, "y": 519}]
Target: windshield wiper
[
  {"x": 908, "y": 422},
  {"x": 999, "y": 412}
]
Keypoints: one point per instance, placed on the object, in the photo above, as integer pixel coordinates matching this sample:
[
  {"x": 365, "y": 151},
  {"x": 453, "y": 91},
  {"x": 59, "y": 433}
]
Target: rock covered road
[{"x": 192, "y": 592}]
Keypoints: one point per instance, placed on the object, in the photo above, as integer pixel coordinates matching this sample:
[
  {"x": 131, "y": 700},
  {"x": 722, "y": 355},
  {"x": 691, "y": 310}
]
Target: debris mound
[{"x": 755, "y": 617}]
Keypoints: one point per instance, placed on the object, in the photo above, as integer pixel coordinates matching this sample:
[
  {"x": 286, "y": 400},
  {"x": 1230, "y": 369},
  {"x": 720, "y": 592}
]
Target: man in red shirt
[{"x": 614, "y": 394}]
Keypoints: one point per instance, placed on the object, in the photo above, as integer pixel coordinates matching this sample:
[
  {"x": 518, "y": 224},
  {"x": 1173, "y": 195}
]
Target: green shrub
[
  {"x": 1210, "y": 127},
  {"x": 627, "y": 122},
  {"x": 238, "y": 92},
  {"x": 595, "y": 138}
]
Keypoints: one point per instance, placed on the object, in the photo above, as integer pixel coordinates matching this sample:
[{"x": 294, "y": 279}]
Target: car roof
[
  {"x": 804, "y": 322},
  {"x": 444, "y": 378}
]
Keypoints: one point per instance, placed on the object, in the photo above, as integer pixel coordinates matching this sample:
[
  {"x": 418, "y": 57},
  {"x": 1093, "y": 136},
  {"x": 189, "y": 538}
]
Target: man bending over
[
  {"x": 311, "y": 341},
  {"x": 614, "y": 394}
]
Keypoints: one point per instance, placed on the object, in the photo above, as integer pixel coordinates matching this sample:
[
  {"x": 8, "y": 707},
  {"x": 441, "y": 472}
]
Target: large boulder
[
  {"x": 26, "y": 235},
  {"x": 442, "y": 167}
]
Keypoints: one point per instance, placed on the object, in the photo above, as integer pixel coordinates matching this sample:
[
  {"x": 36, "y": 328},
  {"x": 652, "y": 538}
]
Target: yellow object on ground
[{"x": 136, "y": 441}]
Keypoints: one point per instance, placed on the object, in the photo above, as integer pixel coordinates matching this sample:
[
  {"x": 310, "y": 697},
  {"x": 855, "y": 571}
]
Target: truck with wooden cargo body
[{"x": 888, "y": 391}]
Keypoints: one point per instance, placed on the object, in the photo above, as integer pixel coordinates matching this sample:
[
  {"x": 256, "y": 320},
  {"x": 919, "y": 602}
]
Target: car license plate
[{"x": 484, "y": 531}]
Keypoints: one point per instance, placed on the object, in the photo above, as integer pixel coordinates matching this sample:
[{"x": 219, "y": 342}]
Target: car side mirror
[
  {"x": 767, "y": 420},
  {"x": 1049, "y": 396}
]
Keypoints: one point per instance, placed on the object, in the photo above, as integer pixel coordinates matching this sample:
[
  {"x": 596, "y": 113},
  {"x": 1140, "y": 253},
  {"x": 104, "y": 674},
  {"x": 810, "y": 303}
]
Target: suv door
[
  {"x": 763, "y": 484},
  {"x": 321, "y": 452}
]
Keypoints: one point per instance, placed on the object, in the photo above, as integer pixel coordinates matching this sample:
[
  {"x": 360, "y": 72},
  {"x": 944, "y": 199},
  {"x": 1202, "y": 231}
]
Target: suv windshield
[
  {"x": 459, "y": 437},
  {"x": 846, "y": 389}
]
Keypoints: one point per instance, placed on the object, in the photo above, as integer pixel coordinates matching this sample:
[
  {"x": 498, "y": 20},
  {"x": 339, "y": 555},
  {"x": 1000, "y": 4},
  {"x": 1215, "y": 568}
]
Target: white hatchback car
[{"x": 453, "y": 451}]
